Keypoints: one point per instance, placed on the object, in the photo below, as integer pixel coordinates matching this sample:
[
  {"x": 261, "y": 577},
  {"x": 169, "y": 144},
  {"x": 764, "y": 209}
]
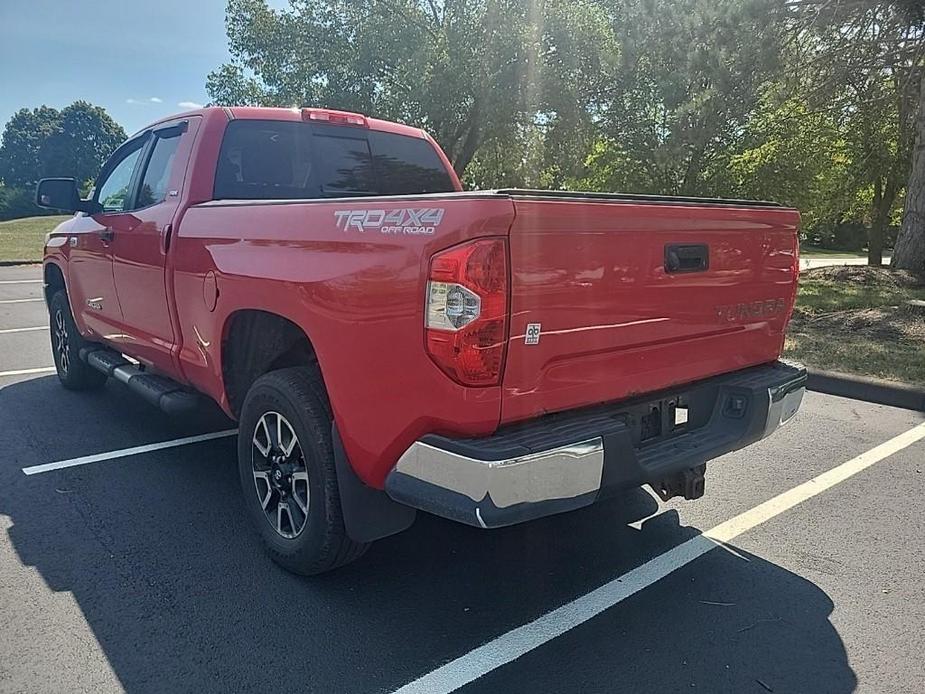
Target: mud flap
[{"x": 369, "y": 514}]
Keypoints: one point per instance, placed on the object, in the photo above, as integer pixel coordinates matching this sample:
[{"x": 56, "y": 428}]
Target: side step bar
[{"x": 162, "y": 392}]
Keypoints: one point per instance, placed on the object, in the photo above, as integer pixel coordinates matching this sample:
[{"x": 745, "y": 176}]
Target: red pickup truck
[{"x": 389, "y": 342}]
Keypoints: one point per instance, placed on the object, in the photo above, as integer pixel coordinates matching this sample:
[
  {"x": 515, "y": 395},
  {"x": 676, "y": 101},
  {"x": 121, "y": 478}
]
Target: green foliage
[
  {"x": 809, "y": 103},
  {"x": 19, "y": 202},
  {"x": 44, "y": 142},
  {"x": 23, "y": 137},
  {"x": 690, "y": 76},
  {"x": 81, "y": 144},
  {"x": 476, "y": 74}
]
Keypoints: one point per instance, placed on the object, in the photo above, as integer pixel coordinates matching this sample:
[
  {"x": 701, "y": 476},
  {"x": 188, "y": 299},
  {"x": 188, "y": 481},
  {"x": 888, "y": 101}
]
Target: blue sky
[{"x": 139, "y": 59}]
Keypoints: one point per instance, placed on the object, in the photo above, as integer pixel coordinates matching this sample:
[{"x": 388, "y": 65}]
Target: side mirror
[{"x": 61, "y": 194}]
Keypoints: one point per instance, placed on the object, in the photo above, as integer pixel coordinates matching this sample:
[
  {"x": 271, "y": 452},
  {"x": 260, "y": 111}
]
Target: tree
[
  {"x": 46, "y": 142},
  {"x": 865, "y": 60},
  {"x": 85, "y": 138},
  {"x": 475, "y": 74},
  {"x": 909, "y": 253},
  {"x": 23, "y": 137},
  {"x": 770, "y": 160},
  {"x": 689, "y": 78}
]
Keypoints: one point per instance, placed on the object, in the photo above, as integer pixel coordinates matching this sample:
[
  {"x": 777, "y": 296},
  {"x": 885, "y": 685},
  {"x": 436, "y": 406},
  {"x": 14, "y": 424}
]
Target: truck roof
[{"x": 293, "y": 114}]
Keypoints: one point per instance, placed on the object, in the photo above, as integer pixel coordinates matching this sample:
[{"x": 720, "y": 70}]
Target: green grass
[
  {"x": 825, "y": 296},
  {"x": 856, "y": 326},
  {"x": 23, "y": 239},
  {"x": 814, "y": 252},
  {"x": 868, "y": 356}
]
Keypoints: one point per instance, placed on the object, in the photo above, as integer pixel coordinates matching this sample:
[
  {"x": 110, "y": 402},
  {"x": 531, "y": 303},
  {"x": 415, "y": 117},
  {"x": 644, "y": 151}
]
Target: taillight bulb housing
[{"x": 467, "y": 311}]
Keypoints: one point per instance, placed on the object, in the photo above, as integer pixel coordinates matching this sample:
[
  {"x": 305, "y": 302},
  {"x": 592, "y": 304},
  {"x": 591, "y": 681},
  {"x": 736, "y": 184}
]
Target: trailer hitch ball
[{"x": 687, "y": 483}]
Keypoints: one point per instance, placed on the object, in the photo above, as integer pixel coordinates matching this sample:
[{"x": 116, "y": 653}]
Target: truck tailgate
[{"x": 615, "y": 298}]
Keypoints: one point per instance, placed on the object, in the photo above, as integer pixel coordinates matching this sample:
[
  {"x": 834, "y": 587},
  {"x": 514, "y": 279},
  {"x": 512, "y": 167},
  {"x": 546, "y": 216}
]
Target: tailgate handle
[{"x": 687, "y": 257}]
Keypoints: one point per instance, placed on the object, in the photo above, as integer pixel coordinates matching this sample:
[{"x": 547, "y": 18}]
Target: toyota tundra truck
[{"x": 389, "y": 343}]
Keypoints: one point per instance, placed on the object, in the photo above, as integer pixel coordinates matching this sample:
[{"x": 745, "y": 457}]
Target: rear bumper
[{"x": 567, "y": 460}]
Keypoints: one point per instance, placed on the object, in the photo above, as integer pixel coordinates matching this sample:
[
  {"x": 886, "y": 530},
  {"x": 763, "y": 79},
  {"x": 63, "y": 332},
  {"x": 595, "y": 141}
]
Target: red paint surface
[{"x": 613, "y": 322}]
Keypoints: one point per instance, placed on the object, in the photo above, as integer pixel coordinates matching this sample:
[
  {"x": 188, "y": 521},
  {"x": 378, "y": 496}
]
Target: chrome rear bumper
[{"x": 562, "y": 462}]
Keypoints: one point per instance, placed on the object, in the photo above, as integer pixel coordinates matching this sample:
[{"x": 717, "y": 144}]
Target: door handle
[
  {"x": 168, "y": 230},
  {"x": 107, "y": 234},
  {"x": 694, "y": 257}
]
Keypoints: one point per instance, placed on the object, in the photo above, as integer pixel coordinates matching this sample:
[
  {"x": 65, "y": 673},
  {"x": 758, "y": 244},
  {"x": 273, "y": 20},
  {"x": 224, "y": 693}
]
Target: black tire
[
  {"x": 296, "y": 395},
  {"x": 66, "y": 343}
]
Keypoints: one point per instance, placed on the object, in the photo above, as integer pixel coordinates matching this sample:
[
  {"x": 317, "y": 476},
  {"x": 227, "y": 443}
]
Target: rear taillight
[{"x": 466, "y": 311}]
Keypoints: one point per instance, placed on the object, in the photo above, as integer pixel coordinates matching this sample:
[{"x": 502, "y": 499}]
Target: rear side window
[{"x": 291, "y": 160}]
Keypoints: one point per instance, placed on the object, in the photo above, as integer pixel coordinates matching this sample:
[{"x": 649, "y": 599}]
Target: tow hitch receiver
[{"x": 687, "y": 483}]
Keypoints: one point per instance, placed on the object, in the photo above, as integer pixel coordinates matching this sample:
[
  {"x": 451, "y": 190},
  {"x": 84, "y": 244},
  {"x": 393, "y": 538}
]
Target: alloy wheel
[
  {"x": 61, "y": 342},
  {"x": 280, "y": 475}
]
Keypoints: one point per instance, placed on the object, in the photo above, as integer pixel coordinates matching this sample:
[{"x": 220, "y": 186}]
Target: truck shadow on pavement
[{"x": 158, "y": 555}]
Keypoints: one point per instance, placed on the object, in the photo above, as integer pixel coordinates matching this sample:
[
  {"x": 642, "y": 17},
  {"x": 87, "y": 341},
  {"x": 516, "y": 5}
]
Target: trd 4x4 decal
[{"x": 403, "y": 221}]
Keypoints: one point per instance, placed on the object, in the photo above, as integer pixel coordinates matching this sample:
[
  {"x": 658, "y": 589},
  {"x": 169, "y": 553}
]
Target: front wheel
[
  {"x": 66, "y": 342},
  {"x": 286, "y": 466}
]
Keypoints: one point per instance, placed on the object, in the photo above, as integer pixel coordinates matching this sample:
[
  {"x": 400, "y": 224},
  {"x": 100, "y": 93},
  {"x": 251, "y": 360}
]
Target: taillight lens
[{"x": 466, "y": 312}]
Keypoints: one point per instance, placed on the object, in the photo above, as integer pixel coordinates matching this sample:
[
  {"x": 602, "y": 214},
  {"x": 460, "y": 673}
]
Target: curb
[
  {"x": 874, "y": 390},
  {"x": 13, "y": 263}
]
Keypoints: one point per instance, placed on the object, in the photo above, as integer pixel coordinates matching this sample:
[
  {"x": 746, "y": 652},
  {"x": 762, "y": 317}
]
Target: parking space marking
[
  {"x": 7, "y": 331},
  {"x": 22, "y": 281},
  {"x": 126, "y": 452},
  {"x": 26, "y": 372},
  {"x": 521, "y": 640},
  {"x": 20, "y": 301}
]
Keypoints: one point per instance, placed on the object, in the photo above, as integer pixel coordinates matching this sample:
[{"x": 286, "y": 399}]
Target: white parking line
[
  {"x": 517, "y": 642},
  {"x": 24, "y": 372},
  {"x": 7, "y": 331},
  {"x": 22, "y": 282},
  {"x": 125, "y": 452},
  {"x": 20, "y": 301}
]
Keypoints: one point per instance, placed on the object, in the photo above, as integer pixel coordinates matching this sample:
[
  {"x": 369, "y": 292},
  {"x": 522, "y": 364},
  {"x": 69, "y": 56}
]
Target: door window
[
  {"x": 157, "y": 173},
  {"x": 114, "y": 191}
]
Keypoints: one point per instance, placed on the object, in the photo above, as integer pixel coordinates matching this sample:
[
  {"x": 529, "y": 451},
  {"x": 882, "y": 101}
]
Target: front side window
[
  {"x": 114, "y": 191},
  {"x": 157, "y": 174}
]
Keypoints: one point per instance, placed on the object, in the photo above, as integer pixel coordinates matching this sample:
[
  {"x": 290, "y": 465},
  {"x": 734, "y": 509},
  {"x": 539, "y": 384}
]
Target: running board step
[{"x": 160, "y": 391}]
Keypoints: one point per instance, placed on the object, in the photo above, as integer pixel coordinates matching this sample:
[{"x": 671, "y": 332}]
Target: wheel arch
[
  {"x": 255, "y": 342},
  {"x": 53, "y": 277}
]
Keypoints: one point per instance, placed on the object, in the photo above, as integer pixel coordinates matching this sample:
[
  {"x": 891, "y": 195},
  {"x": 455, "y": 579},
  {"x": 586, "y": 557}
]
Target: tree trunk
[
  {"x": 877, "y": 227},
  {"x": 909, "y": 253},
  {"x": 472, "y": 141},
  {"x": 884, "y": 198}
]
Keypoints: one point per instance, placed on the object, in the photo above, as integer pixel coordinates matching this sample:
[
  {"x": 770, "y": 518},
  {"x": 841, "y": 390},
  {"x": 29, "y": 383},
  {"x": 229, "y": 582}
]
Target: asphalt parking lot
[{"x": 140, "y": 572}]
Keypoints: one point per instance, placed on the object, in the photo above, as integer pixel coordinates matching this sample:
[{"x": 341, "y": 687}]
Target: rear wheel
[
  {"x": 66, "y": 343},
  {"x": 286, "y": 466}
]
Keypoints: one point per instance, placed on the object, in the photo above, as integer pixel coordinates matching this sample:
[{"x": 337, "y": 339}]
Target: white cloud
[
  {"x": 189, "y": 104},
  {"x": 156, "y": 100},
  {"x": 132, "y": 101},
  {"x": 149, "y": 100}
]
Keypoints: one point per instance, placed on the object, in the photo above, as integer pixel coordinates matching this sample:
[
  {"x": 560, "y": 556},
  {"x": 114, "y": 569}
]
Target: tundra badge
[{"x": 756, "y": 309}]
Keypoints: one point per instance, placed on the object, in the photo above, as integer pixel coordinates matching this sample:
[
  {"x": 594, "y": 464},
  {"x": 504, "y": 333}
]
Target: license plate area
[{"x": 661, "y": 419}]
